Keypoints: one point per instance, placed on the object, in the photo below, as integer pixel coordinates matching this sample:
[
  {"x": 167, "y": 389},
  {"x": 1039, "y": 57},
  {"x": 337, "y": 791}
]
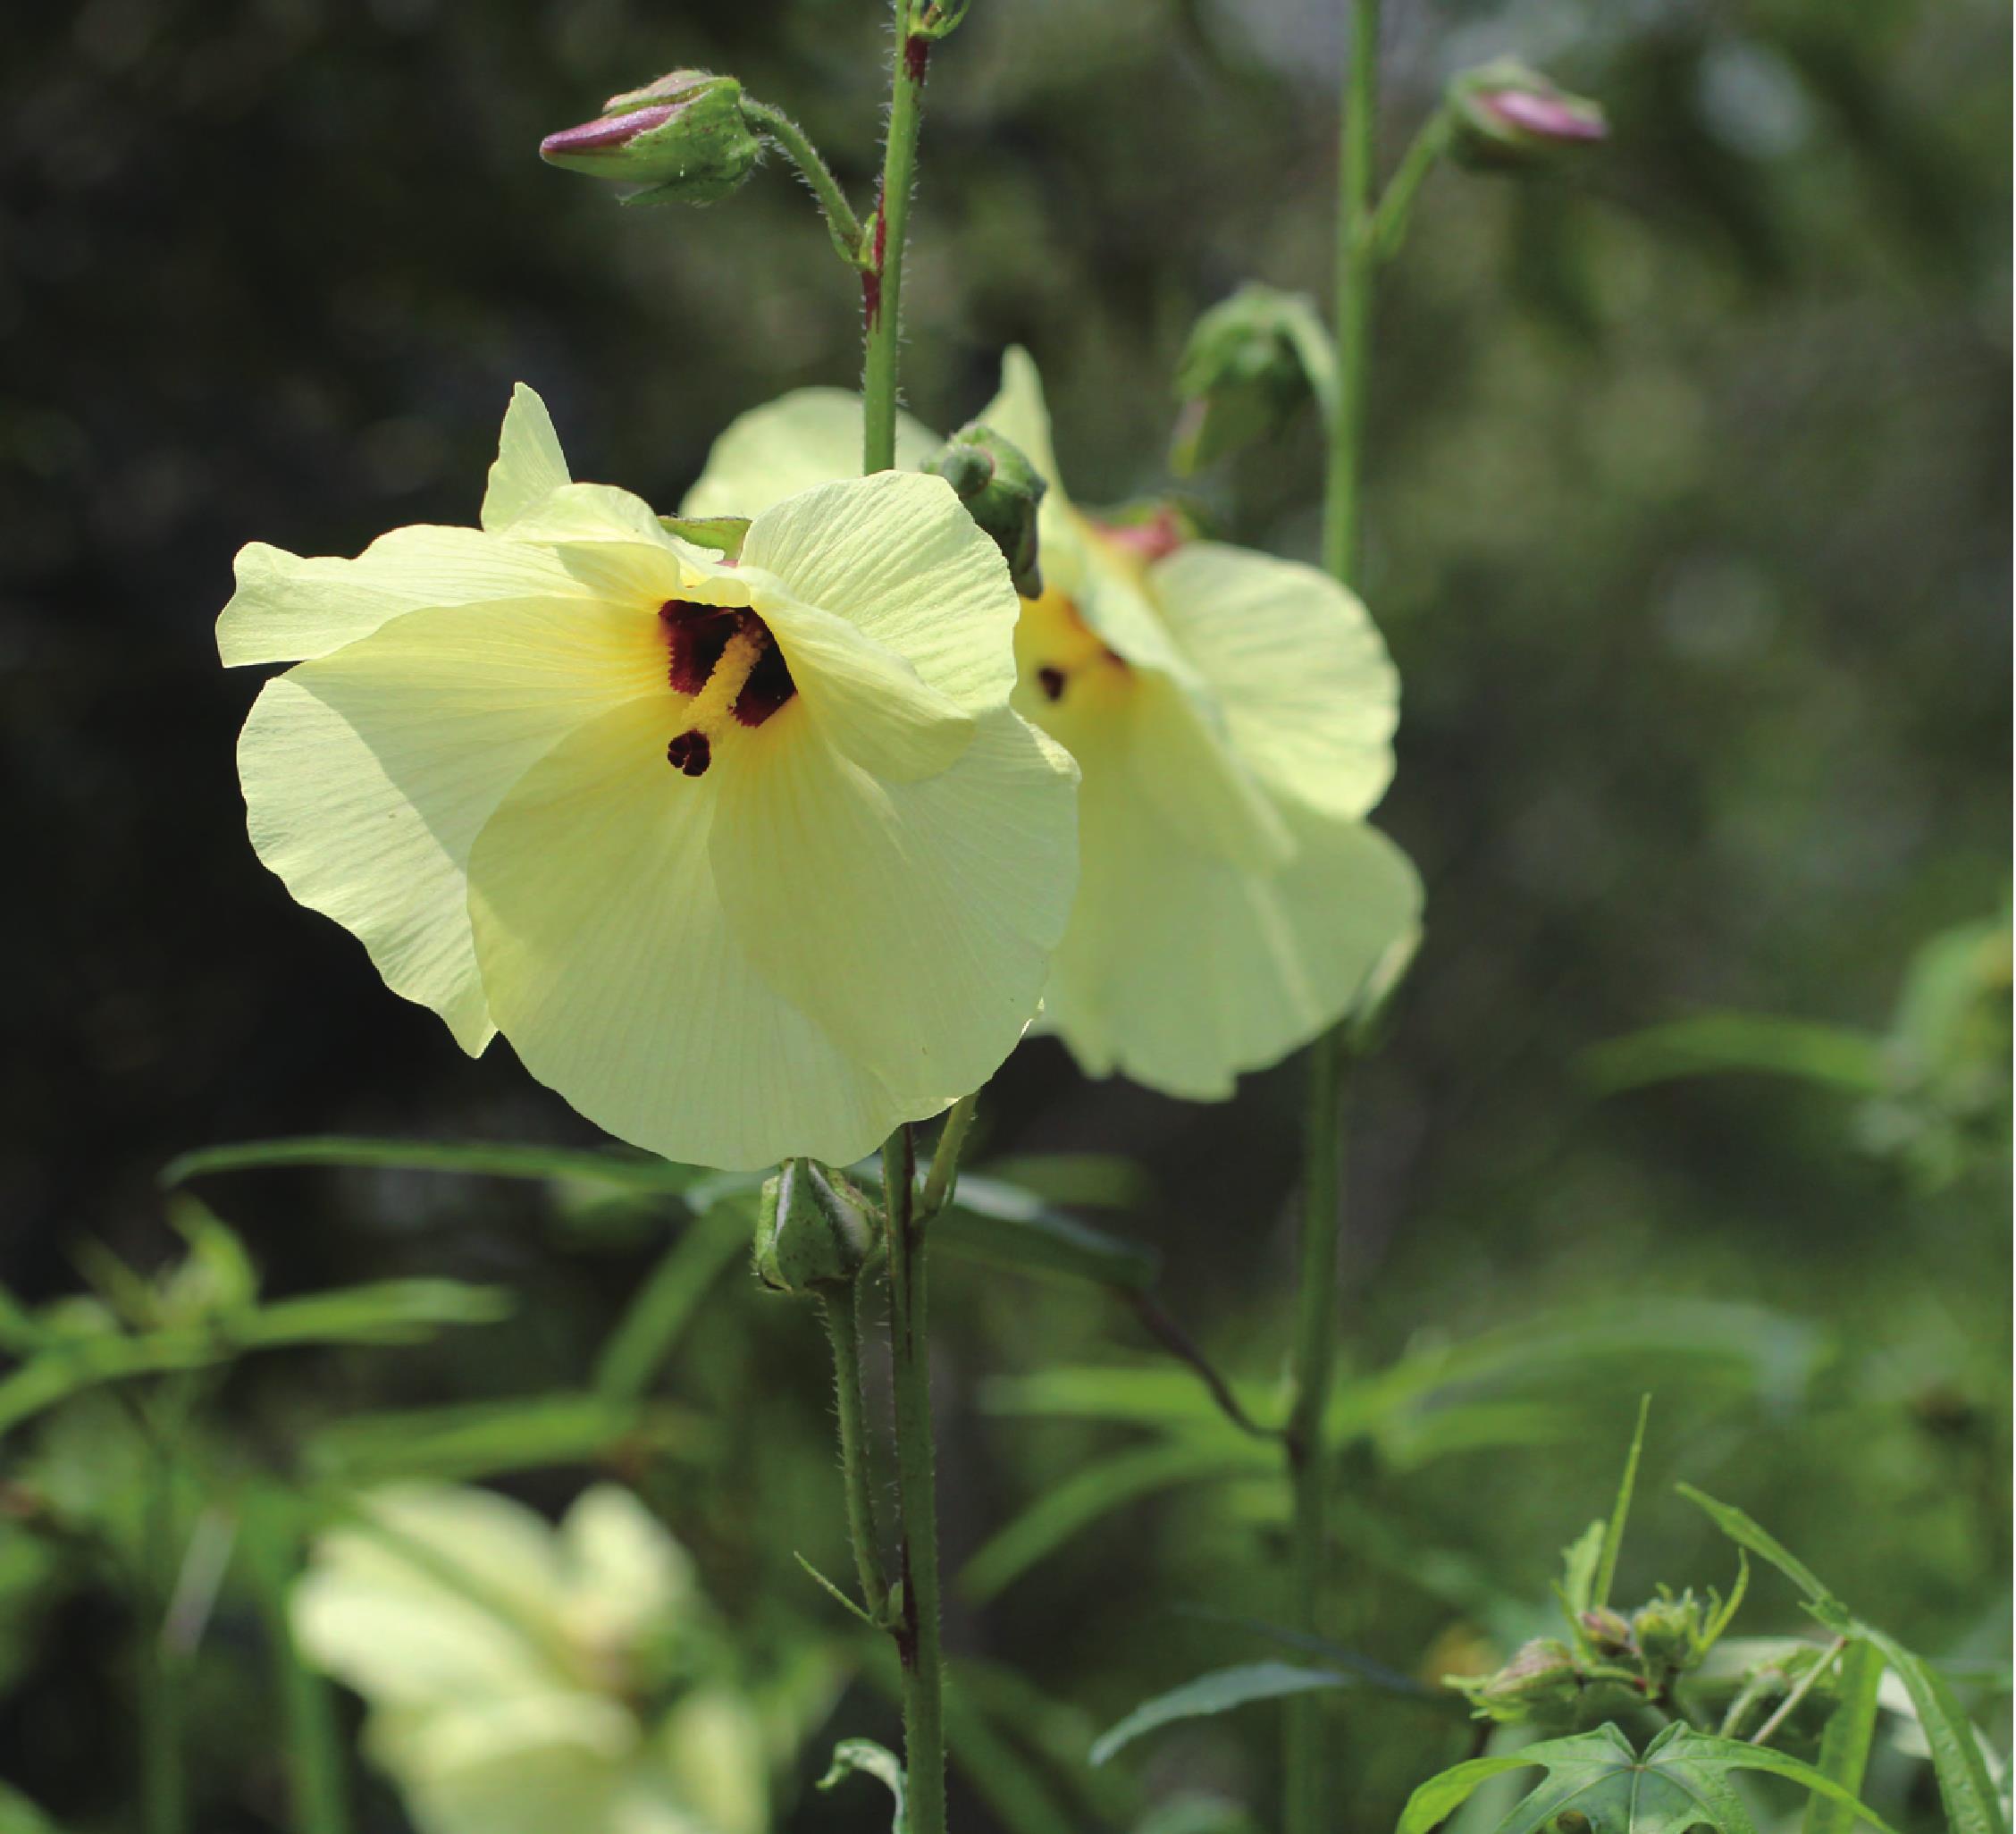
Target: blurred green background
[{"x": 1686, "y": 526}]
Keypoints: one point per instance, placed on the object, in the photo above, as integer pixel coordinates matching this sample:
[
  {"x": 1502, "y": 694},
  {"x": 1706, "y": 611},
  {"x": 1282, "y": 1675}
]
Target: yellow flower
[
  {"x": 745, "y": 860},
  {"x": 510, "y": 1668},
  {"x": 1231, "y": 715}
]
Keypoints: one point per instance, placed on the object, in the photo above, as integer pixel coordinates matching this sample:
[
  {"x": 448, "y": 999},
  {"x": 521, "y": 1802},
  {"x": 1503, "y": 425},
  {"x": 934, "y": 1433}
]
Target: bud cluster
[{"x": 1614, "y": 1662}]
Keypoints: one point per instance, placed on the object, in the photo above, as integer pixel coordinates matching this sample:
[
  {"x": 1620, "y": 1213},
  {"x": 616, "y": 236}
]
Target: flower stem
[
  {"x": 916, "y": 1623},
  {"x": 839, "y": 1312},
  {"x": 1315, "y": 1324},
  {"x": 943, "y": 1179},
  {"x": 313, "y": 1745},
  {"x": 792, "y": 141},
  {"x": 882, "y": 276}
]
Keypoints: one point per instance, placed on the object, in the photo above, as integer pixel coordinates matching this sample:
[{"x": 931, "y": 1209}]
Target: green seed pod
[
  {"x": 681, "y": 139},
  {"x": 1243, "y": 375},
  {"x": 1001, "y": 492},
  {"x": 1504, "y": 116},
  {"x": 811, "y": 1233}
]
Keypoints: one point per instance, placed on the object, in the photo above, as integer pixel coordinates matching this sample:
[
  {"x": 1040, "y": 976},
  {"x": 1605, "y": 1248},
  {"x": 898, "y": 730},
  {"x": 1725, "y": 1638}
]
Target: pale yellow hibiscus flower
[
  {"x": 745, "y": 860},
  {"x": 523, "y": 1679},
  {"x": 1231, "y": 715}
]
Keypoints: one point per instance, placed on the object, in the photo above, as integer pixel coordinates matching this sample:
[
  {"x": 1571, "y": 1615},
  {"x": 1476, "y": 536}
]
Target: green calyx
[
  {"x": 813, "y": 1232},
  {"x": 681, "y": 139},
  {"x": 1250, "y": 363},
  {"x": 1003, "y": 492}
]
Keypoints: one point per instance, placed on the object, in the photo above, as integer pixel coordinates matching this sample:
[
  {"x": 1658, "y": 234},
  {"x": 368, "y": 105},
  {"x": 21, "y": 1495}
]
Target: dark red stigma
[
  {"x": 695, "y": 636},
  {"x": 1052, "y": 681},
  {"x": 690, "y": 753}
]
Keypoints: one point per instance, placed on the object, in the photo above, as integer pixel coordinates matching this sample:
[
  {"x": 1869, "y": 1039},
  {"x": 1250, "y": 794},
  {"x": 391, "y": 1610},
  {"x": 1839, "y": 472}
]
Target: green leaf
[
  {"x": 863, "y": 1755},
  {"x": 1216, "y": 1692},
  {"x": 19, "y": 1815},
  {"x": 1681, "y": 1782},
  {"x": 1972, "y": 1803},
  {"x": 1717, "y": 1043},
  {"x": 458, "y": 1444},
  {"x": 1745, "y": 1533},
  {"x": 1620, "y": 1512},
  {"x": 1092, "y": 1181},
  {"x": 1844, "y": 1746},
  {"x": 622, "y": 1171},
  {"x": 1579, "y": 1562},
  {"x": 1005, "y": 1780},
  {"x": 1083, "y": 1499},
  {"x": 995, "y": 1222},
  {"x": 723, "y": 533},
  {"x": 644, "y": 1337}
]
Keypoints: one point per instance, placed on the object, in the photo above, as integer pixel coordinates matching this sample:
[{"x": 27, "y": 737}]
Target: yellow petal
[
  {"x": 864, "y": 699},
  {"x": 536, "y": 1763},
  {"x": 615, "y": 545},
  {"x": 613, "y": 969},
  {"x": 913, "y": 921},
  {"x": 810, "y": 436},
  {"x": 529, "y": 462},
  {"x": 1183, "y": 970},
  {"x": 287, "y": 607},
  {"x": 625, "y": 1573},
  {"x": 1019, "y": 413},
  {"x": 369, "y": 773},
  {"x": 898, "y": 556},
  {"x": 1309, "y": 696},
  {"x": 447, "y": 1595}
]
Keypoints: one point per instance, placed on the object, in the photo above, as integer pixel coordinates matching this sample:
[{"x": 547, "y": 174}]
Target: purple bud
[
  {"x": 682, "y": 138},
  {"x": 600, "y": 136},
  {"x": 1504, "y": 115}
]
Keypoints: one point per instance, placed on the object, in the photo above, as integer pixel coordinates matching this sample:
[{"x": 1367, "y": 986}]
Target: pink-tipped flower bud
[
  {"x": 681, "y": 139},
  {"x": 1506, "y": 115}
]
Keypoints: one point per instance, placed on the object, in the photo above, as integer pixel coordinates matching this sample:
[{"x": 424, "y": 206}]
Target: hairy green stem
[
  {"x": 882, "y": 275},
  {"x": 792, "y": 141},
  {"x": 1315, "y": 1324},
  {"x": 917, "y": 1620},
  {"x": 839, "y": 1312}
]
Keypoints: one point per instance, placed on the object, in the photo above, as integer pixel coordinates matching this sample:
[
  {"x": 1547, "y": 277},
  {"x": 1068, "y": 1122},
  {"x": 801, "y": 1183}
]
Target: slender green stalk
[
  {"x": 790, "y": 139},
  {"x": 839, "y": 1312},
  {"x": 882, "y": 280},
  {"x": 313, "y": 1745},
  {"x": 1396, "y": 201},
  {"x": 161, "y": 1679},
  {"x": 917, "y": 1620},
  {"x": 943, "y": 1179},
  {"x": 1315, "y": 1324}
]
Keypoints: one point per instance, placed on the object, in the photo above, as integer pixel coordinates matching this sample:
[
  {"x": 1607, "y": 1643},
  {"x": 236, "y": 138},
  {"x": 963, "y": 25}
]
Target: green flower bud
[
  {"x": 1505, "y": 115},
  {"x": 1607, "y": 1633},
  {"x": 812, "y": 1231},
  {"x": 1243, "y": 374},
  {"x": 681, "y": 139},
  {"x": 1001, "y": 492},
  {"x": 1670, "y": 1631},
  {"x": 1540, "y": 1681}
]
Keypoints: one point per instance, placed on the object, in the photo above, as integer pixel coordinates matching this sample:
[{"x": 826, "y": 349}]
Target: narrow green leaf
[
  {"x": 1719, "y": 1043},
  {"x": 834, "y": 1592},
  {"x": 1844, "y": 1746},
  {"x": 1092, "y": 1181},
  {"x": 386, "y": 1311},
  {"x": 1972, "y": 1803},
  {"x": 1579, "y": 1561},
  {"x": 1006, "y": 1782},
  {"x": 1216, "y": 1693},
  {"x": 19, "y": 1815},
  {"x": 1007, "y": 1227},
  {"x": 1745, "y": 1533},
  {"x": 1734, "y": 1755},
  {"x": 630, "y": 1171},
  {"x": 1439, "y": 1797},
  {"x": 1080, "y": 1500},
  {"x": 1620, "y": 1512},
  {"x": 461, "y": 1443},
  {"x": 872, "y": 1760},
  {"x": 645, "y": 1336}
]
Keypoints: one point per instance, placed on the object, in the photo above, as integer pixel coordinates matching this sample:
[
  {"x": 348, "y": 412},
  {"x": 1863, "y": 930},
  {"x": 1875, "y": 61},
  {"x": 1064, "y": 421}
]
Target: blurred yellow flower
[
  {"x": 1231, "y": 715},
  {"x": 511, "y": 1669},
  {"x": 746, "y": 860}
]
